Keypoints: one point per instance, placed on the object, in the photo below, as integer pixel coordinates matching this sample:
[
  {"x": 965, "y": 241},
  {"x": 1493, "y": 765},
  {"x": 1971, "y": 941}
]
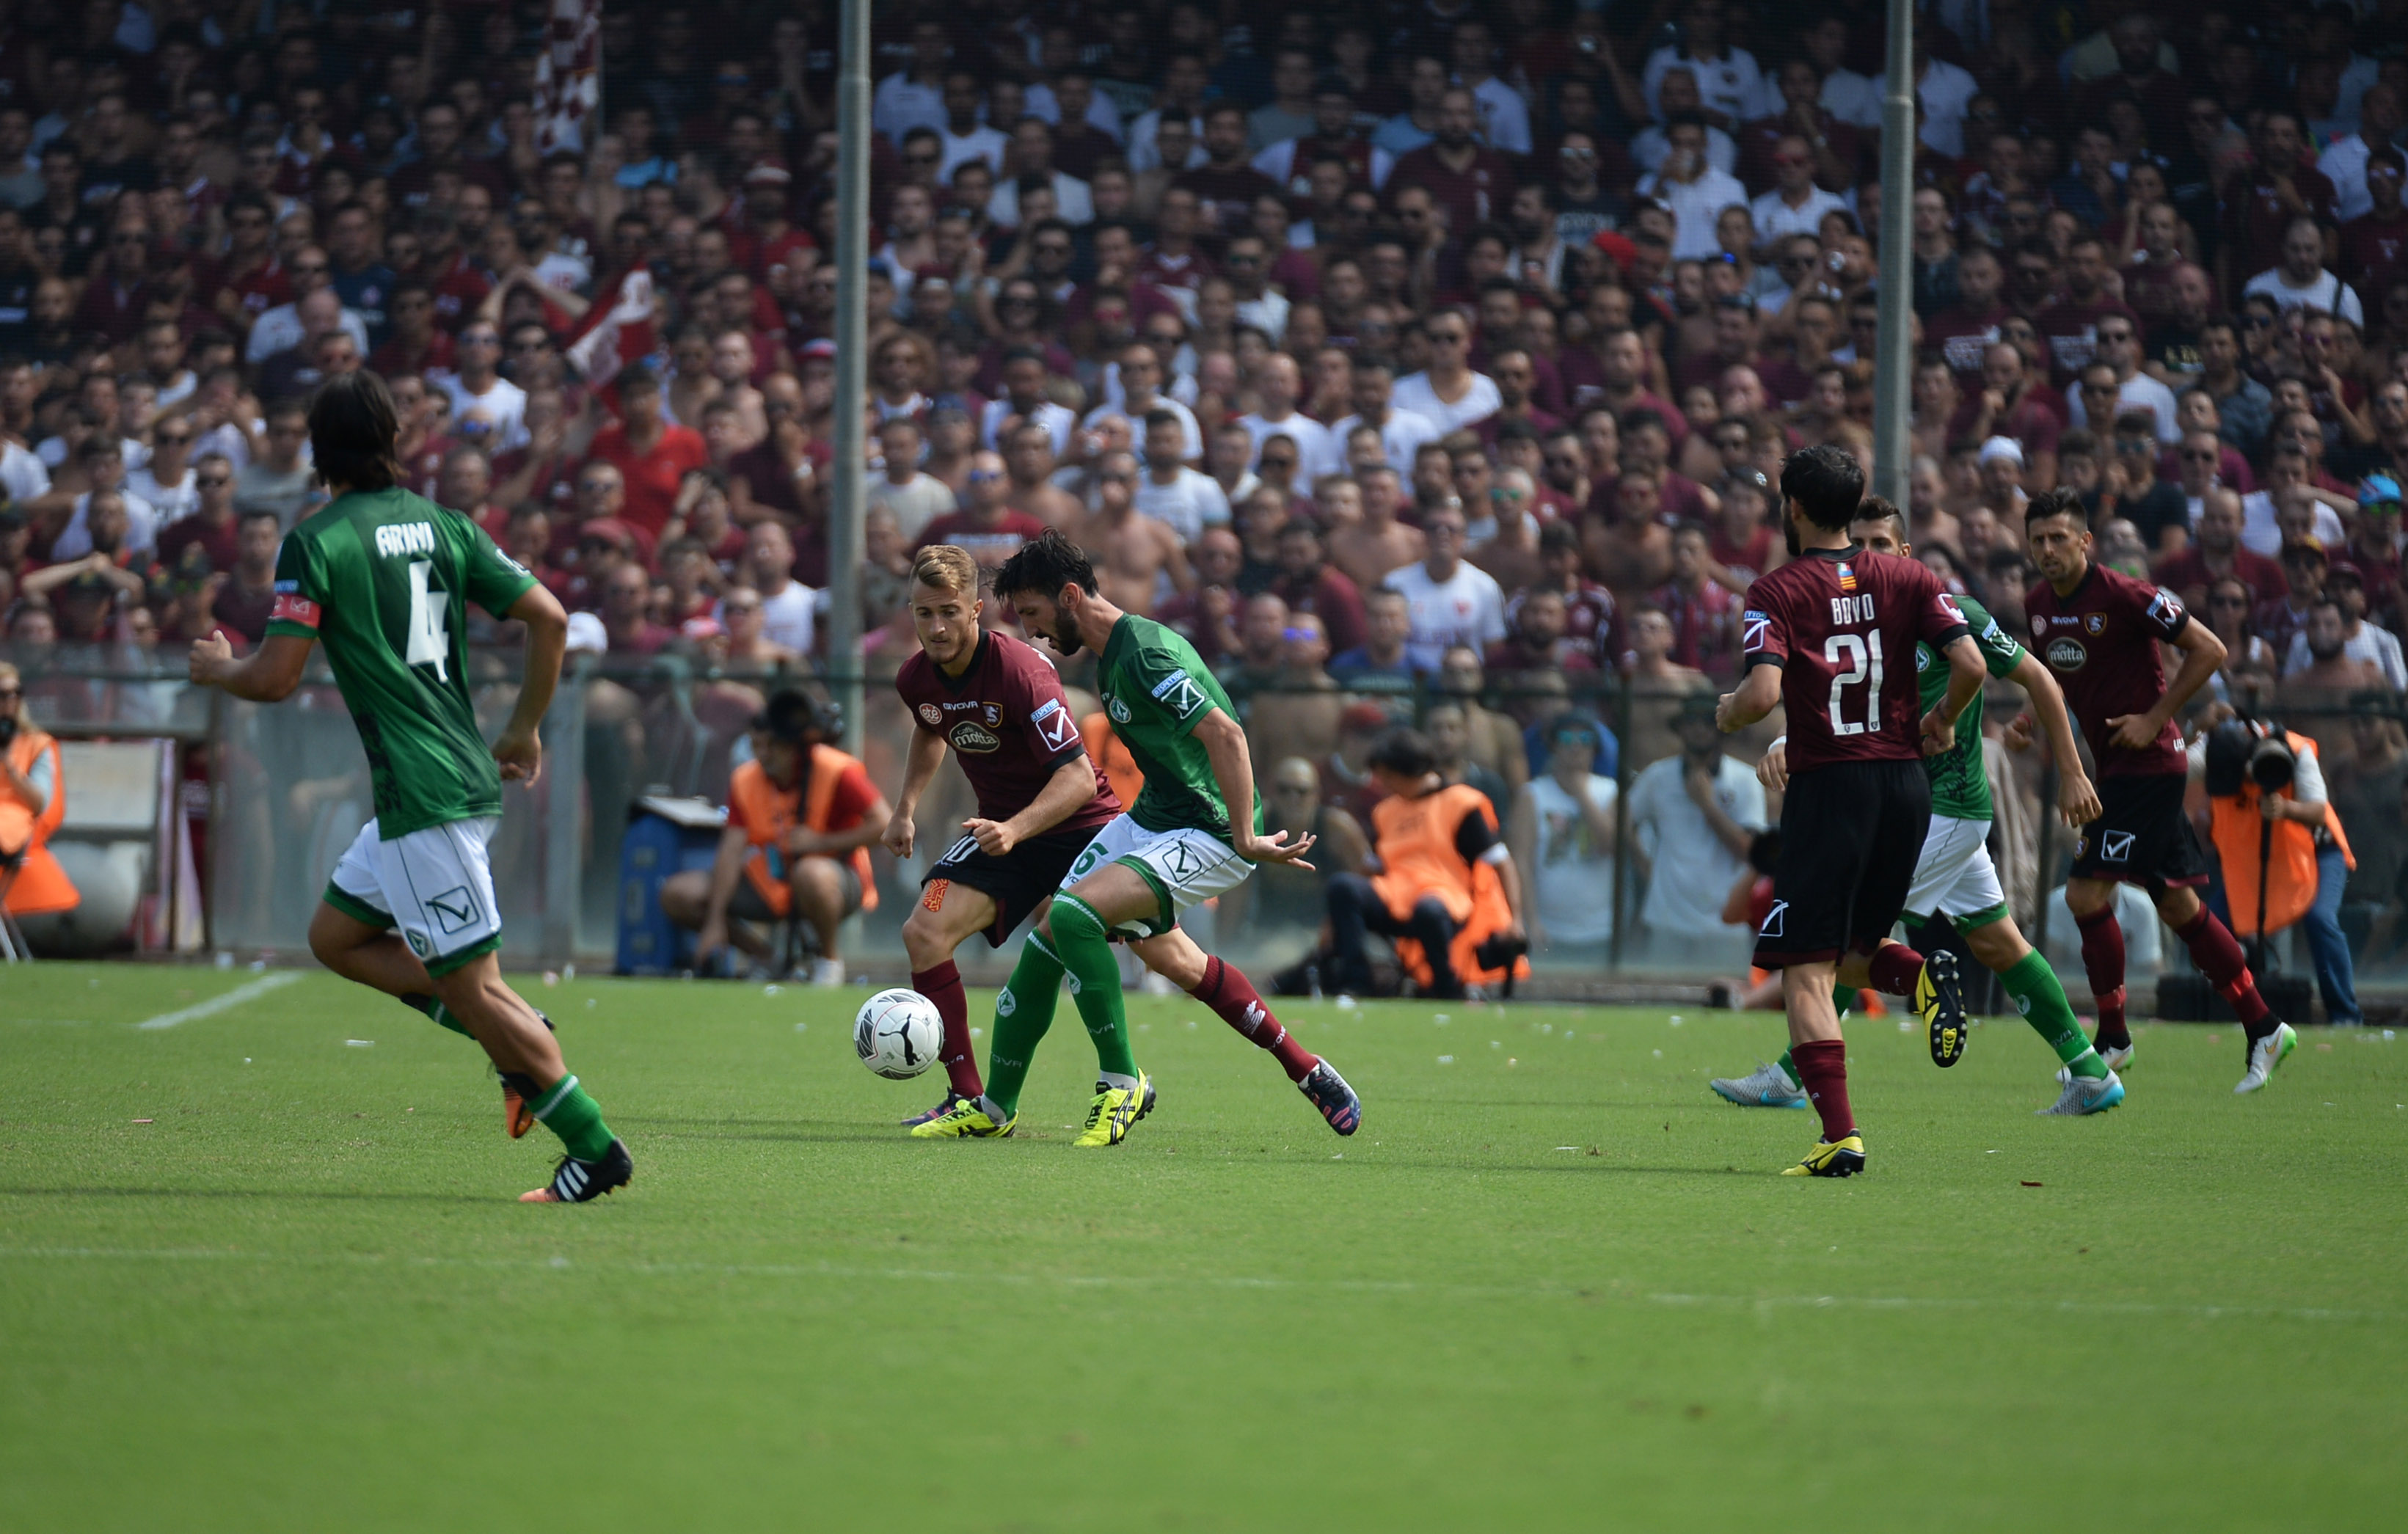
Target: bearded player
[
  {"x": 1954, "y": 880},
  {"x": 382, "y": 579},
  {"x": 1831, "y": 639},
  {"x": 998, "y": 705},
  {"x": 2099, "y": 631}
]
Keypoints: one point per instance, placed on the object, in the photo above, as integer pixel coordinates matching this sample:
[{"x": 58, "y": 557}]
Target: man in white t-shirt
[
  {"x": 1448, "y": 393},
  {"x": 1447, "y": 601},
  {"x": 1401, "y": 432},
  {"x": 1170, "y": 491},
  {"x": 1140, "y": 377},
  {"x": 2302, "y": 282},
  {"x": 789, "y": 608},
  {"x": 963, "y": 137},
  {"x": 477, "y": 387},
  {"x": 1795, "y": 205},
  {"x": 916, "y": 499},
  {"x": 1691, "y": 817},
  {"x": 1279, "y": 382}
]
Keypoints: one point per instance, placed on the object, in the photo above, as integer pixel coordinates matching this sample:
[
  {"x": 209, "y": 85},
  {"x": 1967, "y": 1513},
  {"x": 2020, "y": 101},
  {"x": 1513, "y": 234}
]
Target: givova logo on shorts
[{"x": 454, "y": 909}]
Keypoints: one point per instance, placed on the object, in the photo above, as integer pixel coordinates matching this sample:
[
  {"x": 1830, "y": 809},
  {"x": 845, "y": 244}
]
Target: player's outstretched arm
[
  {"x": 1073, "y": 783},
  {"x": 520, "y": 747},
  {"x": 920, "y": 763},
  {"x": 2077, "y": 801},
  {"x": 1965, "y": 674},
  {"x": 267, "y": 675},
  {"x": 1233, "y": 770}
]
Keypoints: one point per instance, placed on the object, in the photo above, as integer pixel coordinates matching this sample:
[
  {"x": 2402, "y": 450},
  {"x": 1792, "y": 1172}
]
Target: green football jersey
[
  {"x": 1961, "y": 790},
  {"x": 1156, "y": 690},
  {"x": 382, "y": 578}
]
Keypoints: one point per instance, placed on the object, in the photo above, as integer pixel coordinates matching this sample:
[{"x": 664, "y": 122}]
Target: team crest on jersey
[
  {"x": 1118, "y": 710},
  {"x": 2094, "y": 622},
  {"x": 2040, "y": 626},
  {"x": 934, "y": 715}
]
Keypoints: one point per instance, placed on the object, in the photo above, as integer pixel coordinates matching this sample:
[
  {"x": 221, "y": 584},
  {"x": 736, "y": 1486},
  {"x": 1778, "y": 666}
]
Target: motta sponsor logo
[
  {"x": 2066, "y": 653},
  {"x": 972, "y": 737}
]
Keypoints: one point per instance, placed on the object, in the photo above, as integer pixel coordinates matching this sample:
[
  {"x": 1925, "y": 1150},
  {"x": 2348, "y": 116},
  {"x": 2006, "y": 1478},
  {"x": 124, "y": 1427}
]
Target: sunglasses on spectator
[
  {"x": 11, "y": 694},
  {"x": 984, "y": 476},
  {"x": 2258, "y": 322},
  {"x": 172, "y": 439},
  {"x": 2196, "y": 455},
  {"x": 309, "y": 268},
  {"x": 921, "y": 159},
  {"x": 2135, "y": 447},
  {"x": 213, "y": 482}
]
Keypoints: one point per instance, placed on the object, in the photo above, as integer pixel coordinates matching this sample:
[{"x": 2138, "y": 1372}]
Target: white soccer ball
[{"x": 898, "y": 1033}]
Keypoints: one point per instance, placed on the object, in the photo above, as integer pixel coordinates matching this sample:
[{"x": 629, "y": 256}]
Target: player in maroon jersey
[
  {"x": 998, "y": 705},
  {"x": 2099, "y": 631},
  {"x": 1831, "y": 639}
]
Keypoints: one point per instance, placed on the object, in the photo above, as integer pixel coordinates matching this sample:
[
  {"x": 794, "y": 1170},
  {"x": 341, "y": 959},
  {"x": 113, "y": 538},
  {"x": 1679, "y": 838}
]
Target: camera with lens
[
  {"x": 7, "y": 730},
  {"x": 2241, "y": 751}
]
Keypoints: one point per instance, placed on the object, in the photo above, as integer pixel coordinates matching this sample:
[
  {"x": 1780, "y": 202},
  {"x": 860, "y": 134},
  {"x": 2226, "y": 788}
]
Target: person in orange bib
[
  {"x": 1441, "y": 882},
  {"x": 33, "y": 801},
  {"x": 800, "y": 818},
  {"x": 2266, "y": 794}
]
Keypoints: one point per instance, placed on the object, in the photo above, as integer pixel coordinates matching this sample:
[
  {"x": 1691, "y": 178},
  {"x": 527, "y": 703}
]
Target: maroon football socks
[
  {"x": 943, "y": 987},
  {"x": 2218, "y": 955},
  {"x": 1822, "y": 1070},
  {"x": 1225, "y": 989},
  {"x": 2103, "y": 957},
  {"x": 1894, "y": 970}
]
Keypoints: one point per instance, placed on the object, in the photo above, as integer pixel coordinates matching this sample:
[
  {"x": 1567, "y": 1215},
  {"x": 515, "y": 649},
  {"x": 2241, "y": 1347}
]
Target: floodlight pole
[
  {"x": 844, "y": 507},
  {"x": 1894, "y": 352}
]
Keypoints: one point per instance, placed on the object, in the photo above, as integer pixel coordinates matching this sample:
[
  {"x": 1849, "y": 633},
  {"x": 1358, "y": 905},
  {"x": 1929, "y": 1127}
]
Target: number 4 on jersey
[
  {"x": 429, "y": 644},
  {"x": 1862, "y": 655}
]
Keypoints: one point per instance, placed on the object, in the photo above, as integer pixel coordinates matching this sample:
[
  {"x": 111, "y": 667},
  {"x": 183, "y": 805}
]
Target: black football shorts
[
  {"x": 1851, "y": 835},
  {"x": 1018, "y": 883},
  {"x": 2142, "y": 836}
]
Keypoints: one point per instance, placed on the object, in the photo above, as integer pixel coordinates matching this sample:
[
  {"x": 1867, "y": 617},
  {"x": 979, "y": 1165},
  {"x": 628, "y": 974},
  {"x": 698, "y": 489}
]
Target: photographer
[
  {"x": 33, "y": 801},
  {"x": 2285, "y": 856}
]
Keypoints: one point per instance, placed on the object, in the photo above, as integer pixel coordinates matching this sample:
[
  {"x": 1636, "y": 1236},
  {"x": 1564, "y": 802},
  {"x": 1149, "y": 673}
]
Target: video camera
[{"x": 2244, "y": 750}]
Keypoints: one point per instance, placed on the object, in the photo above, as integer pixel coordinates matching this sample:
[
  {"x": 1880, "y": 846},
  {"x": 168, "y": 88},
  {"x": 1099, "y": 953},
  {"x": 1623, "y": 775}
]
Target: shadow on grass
[{"x": 324, "y": 1196}]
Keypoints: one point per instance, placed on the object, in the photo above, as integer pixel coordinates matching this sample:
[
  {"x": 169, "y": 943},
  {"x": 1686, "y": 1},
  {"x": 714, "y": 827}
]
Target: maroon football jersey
[
  {"x": 2101, "y": 643},
  {"x": 1842, "y": 624},
  {"x": 1008, "y": 724}
]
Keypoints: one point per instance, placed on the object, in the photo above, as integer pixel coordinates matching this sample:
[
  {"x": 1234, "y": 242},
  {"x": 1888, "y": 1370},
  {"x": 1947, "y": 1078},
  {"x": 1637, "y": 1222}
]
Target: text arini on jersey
[{"x": 397, "y": 541}]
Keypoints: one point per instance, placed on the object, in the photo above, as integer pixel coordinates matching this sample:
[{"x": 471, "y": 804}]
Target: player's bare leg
[
  {"x": 377, "y": 957},
  {"x": 1224, "y": 988},
  {"x": 948, "y": 915},
  {"x": 685, "y": 900}
]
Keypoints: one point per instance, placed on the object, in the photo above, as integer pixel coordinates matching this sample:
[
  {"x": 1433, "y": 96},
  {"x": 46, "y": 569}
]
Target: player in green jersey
[
  {"x": 1955, "y": 877},
  {"x": 1178, "y": 846},
  {"x": 382, "y": 579}
]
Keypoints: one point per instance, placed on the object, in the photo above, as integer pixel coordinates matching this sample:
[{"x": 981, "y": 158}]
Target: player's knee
[
  {"x": 924, "y": 935},
  {"x": 1075, "y": 921}
]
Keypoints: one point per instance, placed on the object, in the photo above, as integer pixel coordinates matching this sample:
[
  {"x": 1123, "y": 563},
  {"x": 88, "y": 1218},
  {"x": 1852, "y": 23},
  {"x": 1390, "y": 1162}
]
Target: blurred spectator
[
  {"x": 1448, "y": 602},
  {"x": 248, "y": 596},
  {"x": 1562, "y": 832},
  {"x": 1692, "y": 815}
]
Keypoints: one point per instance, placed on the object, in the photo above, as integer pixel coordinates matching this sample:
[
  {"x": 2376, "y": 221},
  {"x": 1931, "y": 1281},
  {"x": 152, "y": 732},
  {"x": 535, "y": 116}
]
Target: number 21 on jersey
[{"x": 1862, "y": 655}]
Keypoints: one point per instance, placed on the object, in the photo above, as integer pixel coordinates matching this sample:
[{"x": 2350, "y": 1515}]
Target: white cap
[
  {"x": 585, "y": 632},
  {"x": 2003, "y": 446}
]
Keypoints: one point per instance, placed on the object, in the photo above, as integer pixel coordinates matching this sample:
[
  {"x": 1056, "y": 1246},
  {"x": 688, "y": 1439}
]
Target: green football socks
[
  {"x": 1023, "y": 1010},
  {"x": 2041, "y": 997},
  {"x": 576, "y": 1118},
  {"x": 433, "y": 1007},
  {"x": 1095, "y": 985}
]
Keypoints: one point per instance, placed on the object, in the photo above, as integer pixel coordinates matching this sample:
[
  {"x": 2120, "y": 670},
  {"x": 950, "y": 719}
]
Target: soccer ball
[{"x": 896, "y": 1033}]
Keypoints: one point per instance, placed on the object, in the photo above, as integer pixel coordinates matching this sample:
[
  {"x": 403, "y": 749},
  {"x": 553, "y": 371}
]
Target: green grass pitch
[{"x": 254, "y": 1276}]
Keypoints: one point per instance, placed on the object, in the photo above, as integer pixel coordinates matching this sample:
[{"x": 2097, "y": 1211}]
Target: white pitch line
[
  {"x": 215, "y": 1005},
  {"x": 1136, "y": 1281}
]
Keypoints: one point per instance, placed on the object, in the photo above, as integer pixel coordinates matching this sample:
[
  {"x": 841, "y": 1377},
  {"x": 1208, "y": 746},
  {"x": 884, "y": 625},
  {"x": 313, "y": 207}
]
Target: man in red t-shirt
[{"x": 652, "y": 455}]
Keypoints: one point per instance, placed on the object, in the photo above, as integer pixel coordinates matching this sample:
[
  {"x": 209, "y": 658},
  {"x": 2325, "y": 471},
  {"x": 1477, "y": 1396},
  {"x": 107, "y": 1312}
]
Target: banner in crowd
[{"x": 569, "y": 75}]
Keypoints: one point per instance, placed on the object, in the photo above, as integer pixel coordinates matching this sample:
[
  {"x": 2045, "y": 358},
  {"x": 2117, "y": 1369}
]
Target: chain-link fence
[{"x": 1650, "y": 883}]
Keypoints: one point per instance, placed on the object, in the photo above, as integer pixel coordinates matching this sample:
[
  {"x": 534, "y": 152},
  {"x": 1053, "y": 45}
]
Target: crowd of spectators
[{"x": 1389, "y": 349}]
